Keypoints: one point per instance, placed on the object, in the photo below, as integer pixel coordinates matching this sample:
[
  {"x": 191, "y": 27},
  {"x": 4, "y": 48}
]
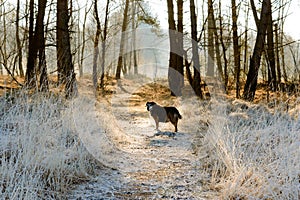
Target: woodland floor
[{"x": 139, "y": 162}]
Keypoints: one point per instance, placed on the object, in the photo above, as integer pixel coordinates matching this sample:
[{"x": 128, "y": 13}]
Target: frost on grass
[
  {"x": 254, "y": 152},
  {"x": 40, "y": 153}
]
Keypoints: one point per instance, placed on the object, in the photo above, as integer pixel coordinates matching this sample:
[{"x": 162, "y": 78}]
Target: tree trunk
[
  {"x": 179, "y": 34},
  {"x": 197, "y": 78},
  {"x": 251, "y": 82},
  {"x": 172, "y": 71},
  {"x": 236, "y": 48},
  {"x": 96, "y": 47},
  {"x": 19, "y": 47},
  {"x": 30, "y": 81},
  {"x": 39, "y": 36},
  {"x": 104, "y": 44},
  {"x": 65, "y": 66},
  {"x": 122, "y": 42},
  {"x": 277, "y": 55},
  {"x": 210, "y": 41},
  {"x": 135, "y": 65},
  {"x": 270, "y": 52}
]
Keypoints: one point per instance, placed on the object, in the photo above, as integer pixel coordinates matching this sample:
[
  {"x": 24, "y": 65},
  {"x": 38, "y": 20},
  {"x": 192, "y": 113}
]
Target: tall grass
[
  {"x": 254, "y": 153},
  {"x": 40, "y": 153}
]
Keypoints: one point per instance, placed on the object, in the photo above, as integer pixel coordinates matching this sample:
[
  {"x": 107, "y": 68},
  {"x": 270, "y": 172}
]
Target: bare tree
[
  {"x": 251, "y": 82},
  {"x": 210, "y": 40},
  {"x": 236, "y": 47}
]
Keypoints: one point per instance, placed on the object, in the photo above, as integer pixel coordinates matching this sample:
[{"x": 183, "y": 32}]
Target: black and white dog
[{"x": 163, "y": 114}]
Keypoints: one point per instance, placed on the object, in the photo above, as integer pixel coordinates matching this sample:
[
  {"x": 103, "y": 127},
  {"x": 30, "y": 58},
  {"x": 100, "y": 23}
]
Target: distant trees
[{"x": 227, "y": 50}]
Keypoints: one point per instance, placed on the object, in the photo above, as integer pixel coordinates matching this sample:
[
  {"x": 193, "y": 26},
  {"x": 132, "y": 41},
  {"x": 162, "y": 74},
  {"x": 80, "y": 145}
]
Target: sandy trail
[{"x": 120, "y": 134}]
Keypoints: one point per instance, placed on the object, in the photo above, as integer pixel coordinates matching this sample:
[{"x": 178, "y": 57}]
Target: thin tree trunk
[
  {"x": 210, "y": 41},
  {"x": 197, "y": 78},
  {"x": 122, "y": 42},
  {"x": 179, "y": 34},
  {"x": 270, "y": 52},
  {"x": 246, "y": 42},
  {"x": 96, "y": 47},
  {"x": 277, "y": 54},
  {"x": 133, "y": 25},
  {"x": 19, "y": 47},
  {"x": 44, "y": 86},
  {"x": 236, "y": 48},
  {"x": 83, "y": 41},
  {"x": 104, "y": 44}
]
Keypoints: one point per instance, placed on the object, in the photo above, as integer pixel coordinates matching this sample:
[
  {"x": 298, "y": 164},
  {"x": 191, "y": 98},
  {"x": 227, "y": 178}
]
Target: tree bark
[
  {"x": 277, "y": 54},
  {"x": 19, "y": 47},
  {"x": 42, "y": 67},
  {"x": 210, "y": 41},
  {"x": 96, "y": 47},
  {"x": 30, "y": 82},
  {"x": 180, "y": 44},
  {"x": 65, "y": 66},
  {"x": 104, "y": 44},
  {"x": 197, "y": 78},
  {"x": 236, "y": 48},
  {"x": 174, "y": 82},
  {"x": 270, "y": 52},
  {"x": 251, "y": 82}
]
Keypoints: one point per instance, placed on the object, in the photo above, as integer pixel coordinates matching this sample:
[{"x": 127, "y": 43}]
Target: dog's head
[{"x": 149, "y": 105}]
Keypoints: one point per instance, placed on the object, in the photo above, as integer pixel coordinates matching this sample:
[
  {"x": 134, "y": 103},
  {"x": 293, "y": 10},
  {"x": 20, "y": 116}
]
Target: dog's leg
[
  {"x": 175, "y": 124},
  {"x": 156, "y": 123}
]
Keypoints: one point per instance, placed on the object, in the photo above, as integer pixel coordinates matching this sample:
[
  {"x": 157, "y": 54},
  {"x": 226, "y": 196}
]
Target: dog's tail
[{"x": 179, "y": 116}]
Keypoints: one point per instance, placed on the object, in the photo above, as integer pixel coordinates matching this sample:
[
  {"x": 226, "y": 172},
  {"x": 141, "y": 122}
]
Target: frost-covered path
[{"x": 141, "y": 165}]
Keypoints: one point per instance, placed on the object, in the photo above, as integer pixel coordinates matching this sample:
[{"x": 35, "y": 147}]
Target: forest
[{"x": 75, "y": 77}]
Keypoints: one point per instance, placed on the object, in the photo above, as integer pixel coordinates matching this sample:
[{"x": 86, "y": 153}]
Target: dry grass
[
  {"x": 40, "y": 154},
  {"x": 253, "y": 152}
]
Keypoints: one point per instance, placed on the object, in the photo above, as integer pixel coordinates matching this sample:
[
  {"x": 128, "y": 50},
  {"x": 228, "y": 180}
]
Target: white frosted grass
[
  {"x": 256, "y": 152},
  {"x": 40, "y": 153}
]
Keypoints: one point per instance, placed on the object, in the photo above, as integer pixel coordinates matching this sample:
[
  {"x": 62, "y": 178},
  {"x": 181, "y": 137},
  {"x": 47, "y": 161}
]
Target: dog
[{"x": 163, "y": 114}]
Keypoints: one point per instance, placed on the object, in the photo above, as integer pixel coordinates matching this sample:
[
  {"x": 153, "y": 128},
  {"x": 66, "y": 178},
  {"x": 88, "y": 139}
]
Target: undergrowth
[
  {"x": 253, "y": 152},
  {"x": 41, "y": 155}
]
